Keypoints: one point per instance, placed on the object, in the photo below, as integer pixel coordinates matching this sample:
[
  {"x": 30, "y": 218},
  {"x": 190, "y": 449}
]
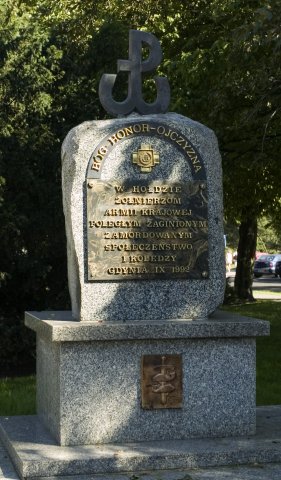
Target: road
[
  {"x": 263, "y": 287},
  {"x": 267, "y": 283}
]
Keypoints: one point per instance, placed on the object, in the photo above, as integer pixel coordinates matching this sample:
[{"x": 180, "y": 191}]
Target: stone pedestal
[
  {"x": 89, "y": 394},
  {"x": 89, "y": 378}
]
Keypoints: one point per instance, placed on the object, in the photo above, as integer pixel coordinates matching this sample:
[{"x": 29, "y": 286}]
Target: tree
[
  {"x": 269, "y": 235},
  {"x": 222, "y": 59},
  {"x": 234, "y": 82},
  {"x": 223, "y": 62},
  {"x": 48, "y": 85},
  {"x": 32, "y": 238}
]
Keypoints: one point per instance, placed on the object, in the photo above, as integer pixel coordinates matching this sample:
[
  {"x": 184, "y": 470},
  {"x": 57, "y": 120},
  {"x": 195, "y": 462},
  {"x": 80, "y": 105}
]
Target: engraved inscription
[
  {"x": 165, "y": 133},
  {"x": 161, "y": 381},
  {"x": 146, "y": 230}
]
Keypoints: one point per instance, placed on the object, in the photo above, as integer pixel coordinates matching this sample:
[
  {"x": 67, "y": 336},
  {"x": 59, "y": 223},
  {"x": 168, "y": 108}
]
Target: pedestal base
[
  {"x": 89, "y": 378},
  {"x": 35, "y": 453}
]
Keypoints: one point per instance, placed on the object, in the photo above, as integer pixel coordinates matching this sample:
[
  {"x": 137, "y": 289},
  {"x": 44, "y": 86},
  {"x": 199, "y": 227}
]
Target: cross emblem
[{"x": 146, "y": 158}]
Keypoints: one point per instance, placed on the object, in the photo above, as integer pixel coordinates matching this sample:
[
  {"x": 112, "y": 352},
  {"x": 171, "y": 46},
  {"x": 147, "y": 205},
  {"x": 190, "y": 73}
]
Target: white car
[{"x": 265, "y": 265}]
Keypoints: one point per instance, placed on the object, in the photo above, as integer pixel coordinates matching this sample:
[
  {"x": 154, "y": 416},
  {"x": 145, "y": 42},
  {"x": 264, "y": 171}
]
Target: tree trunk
[{"x": 245, "y": 258}]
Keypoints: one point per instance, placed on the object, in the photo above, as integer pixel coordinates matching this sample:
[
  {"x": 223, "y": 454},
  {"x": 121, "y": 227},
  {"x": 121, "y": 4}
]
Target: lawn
[
  {"x": 268, "y": 349},
  {"x": 17, "y": 395}
]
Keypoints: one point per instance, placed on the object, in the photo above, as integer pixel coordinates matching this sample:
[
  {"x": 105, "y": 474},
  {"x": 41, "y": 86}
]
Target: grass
[
  {"x": 268, "y": 349},
  {"x": 17, "y": 395}
]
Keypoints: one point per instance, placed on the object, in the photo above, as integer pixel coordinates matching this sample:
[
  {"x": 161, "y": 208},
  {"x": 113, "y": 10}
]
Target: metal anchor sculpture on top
[{"x": 135, "y": 67}]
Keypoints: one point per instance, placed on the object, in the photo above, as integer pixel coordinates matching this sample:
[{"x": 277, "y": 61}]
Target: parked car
[
  {"x": 266, "y": 264},
  {"x": 278, "y": 269},
  {"x": 259, "y": 254}
]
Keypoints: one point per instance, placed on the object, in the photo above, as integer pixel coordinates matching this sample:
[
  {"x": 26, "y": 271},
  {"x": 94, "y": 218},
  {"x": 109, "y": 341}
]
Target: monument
[{"x": 143, "y": 356}]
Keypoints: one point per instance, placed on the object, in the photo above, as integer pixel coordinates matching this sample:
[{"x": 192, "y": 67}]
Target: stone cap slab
[{"x": 58, "y": 326}]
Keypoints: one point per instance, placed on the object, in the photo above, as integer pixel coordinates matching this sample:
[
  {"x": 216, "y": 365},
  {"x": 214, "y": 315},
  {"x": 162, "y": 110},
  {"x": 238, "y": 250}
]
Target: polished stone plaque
[
  {"x": 147, "y": 230},
  {"x": 161, "y": 382}
]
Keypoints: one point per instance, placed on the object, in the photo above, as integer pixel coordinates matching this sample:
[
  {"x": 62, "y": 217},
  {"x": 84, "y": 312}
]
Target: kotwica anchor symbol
[{"x": 135, "y": 67}]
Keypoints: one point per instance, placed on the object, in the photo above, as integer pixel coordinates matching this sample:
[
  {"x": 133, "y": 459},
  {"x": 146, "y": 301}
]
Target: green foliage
[
  {"x": 33, "y": 267},
  {"x": 230, "y": 71},
  {"x": 269, "y": 233},
  {"x": 223, "y": 62},
  {"x": 269, "y": 236},
  {"x": 17, "y": 347}
]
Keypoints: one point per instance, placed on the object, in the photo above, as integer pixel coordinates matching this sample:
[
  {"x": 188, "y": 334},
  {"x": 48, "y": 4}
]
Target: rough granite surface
[
  {"x": 257, "y": 471},
  {"x": 48, "y": 383},
  {"x": 151, "y": 299},
  {"x": 90, "y": 392},
  {"x": 36, "y": 455},
  {"x": 238, "y": 472}
]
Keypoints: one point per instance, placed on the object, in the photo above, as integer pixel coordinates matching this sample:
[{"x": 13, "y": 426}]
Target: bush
[{"x": 17, "y": 347}]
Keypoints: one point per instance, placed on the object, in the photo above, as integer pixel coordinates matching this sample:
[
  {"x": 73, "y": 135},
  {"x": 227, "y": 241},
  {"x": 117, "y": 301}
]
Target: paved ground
[
  {"x": 7, "y": 471},
  {"x": 266, "y": 288},
  {"x": 267, "y": 296}
]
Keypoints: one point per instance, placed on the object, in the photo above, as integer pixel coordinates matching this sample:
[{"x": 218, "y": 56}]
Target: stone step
[{"x": 36, "y": 455}]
